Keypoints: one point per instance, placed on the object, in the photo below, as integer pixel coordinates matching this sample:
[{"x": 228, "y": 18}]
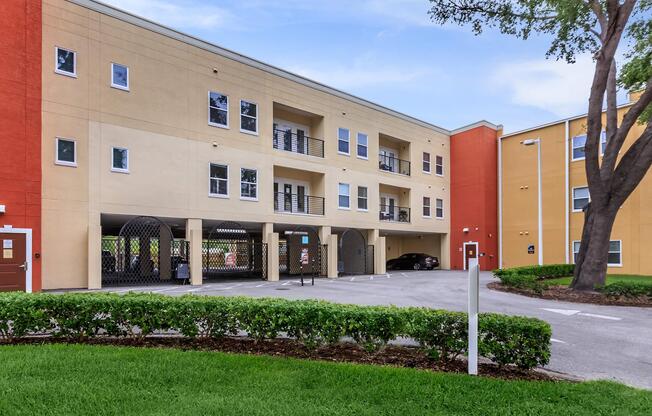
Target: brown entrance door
[
  {"x": 471, "y": 252},
  {"x": 13, "y": 265}
]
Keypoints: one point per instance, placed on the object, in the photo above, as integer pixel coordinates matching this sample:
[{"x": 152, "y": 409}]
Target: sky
[{"x": 388, "y": 52}]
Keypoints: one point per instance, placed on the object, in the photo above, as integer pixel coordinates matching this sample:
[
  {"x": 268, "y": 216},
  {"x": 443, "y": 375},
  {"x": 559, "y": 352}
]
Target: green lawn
[
  {"x": 612, "y": 278},
  {"x": 93, "y": 380}
]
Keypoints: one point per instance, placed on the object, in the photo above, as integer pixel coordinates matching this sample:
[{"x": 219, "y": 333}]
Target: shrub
[
  {"x": 524, "y": 342},
  {"x": 547, "y": 271},
  {"x": 627, "y": 289}
]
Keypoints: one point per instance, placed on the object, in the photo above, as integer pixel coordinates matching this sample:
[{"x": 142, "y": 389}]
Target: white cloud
[
  {"x": 178, "y": 14},
  {"x": 555, "y": 86}
]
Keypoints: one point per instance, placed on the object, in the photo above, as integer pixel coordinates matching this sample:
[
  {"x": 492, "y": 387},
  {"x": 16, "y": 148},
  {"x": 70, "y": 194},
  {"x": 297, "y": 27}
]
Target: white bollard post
[{"x": 474, "y": 289}]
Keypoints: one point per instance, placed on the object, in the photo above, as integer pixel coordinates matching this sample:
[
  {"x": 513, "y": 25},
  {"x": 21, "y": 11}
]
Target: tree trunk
[{"x": 591, "y": 264}]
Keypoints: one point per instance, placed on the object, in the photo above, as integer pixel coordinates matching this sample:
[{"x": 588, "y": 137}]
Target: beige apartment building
[
  {"x": 160, "y": 149},
  {"x": 564, "y": 193}
]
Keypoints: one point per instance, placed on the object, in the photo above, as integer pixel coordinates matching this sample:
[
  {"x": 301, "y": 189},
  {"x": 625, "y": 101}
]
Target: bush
[
  {"x": 547, "y": 271},
  {"x": 524, "y": 342},
  {"x": 627, "y": 289}
]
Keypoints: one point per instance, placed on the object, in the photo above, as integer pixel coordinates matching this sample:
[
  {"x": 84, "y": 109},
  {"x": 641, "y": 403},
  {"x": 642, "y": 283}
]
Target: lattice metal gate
[
  {"x": 354, "y": 256},
  {"x": 230, "y": 251},
  {"x": 143, "y": 253}
]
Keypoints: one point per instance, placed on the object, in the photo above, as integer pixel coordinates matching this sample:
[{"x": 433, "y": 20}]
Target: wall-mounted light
[
  {"x": 2, "y": 209},
  {"x": 215, "y": 71},
  {"x": 465, "y": 230}
]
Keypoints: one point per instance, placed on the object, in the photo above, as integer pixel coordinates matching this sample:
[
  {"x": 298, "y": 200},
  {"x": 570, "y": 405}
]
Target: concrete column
[
  {"x": 271, "y": 239},
  {"x": 380, "y": 252},
  {"x": 194, "y": 236},
  {"x": 331, "y": 271},
  {"x": 445, "y": 252},
  {"x": 95, "y": 256},
  {"x": 165, "y": 253}
]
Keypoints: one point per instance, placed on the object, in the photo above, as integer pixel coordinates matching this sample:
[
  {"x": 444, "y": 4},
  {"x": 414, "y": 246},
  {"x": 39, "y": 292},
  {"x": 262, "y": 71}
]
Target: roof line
[
  {"x": 131, "y": 18},
  {"x": 481, "y": 123},
  {"x": 552, "y": 123}
]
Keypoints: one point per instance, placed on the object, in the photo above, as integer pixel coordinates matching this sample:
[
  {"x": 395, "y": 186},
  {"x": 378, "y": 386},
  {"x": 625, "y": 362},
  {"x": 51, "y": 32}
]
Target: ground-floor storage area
[{"x": 141, "y": 250}]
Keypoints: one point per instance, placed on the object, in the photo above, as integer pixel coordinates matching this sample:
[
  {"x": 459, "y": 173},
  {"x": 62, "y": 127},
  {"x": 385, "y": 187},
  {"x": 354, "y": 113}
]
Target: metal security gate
[
  {"x": 301, "y": 252},
  {"x": 230, "y": 251},
  {"x": 144, "y": 252},
  {"x": 354, "y": 255}
]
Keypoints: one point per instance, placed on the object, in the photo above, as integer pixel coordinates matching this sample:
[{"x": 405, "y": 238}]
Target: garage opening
[
  {"x": 301, "y": 252},
  {"x": 143, "y": 251},
  {"x": 354, "y": 255},
  {"x": 231, "y": 251}
]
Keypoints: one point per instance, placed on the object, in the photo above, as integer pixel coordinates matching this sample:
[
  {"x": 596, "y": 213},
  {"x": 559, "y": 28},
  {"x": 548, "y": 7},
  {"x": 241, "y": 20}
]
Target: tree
[{"x": 598, "y": 27}]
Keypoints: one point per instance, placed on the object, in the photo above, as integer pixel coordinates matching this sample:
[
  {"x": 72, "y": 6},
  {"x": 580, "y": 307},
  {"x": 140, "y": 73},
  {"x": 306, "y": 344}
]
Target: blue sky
[{"x": 387, "y": 51}]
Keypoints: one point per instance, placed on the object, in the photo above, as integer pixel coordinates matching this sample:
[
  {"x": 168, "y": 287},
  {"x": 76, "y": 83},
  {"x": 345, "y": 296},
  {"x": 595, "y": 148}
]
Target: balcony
[
  {"x": 393, "y": 164},
  {"x": 298, "y": 204},
  {"x": 394, "y": 213},
  {"x": 298, "y": 142}
]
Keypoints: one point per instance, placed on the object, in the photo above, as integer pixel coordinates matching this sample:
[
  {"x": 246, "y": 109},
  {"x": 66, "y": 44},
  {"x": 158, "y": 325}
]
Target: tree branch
[
  {"x": 632, "y": 168},
  {"x": 609, "y": 159}
]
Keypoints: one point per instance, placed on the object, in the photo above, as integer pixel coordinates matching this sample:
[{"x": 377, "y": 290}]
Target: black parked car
[
  {"x": 108, "y": 261},
  {"x": 414, "y": 261}
]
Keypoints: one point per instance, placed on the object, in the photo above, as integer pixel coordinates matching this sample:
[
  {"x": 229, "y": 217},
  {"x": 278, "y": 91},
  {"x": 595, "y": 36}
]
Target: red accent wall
[
  {"x": 474, "y": 199},
  {"x": 20, "y": 121}
]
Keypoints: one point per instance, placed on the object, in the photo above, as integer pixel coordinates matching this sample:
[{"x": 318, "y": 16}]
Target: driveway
[{"x": 589, "y": 341}]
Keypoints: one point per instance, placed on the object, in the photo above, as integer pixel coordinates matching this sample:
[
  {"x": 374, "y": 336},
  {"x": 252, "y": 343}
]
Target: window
[
  {"x": 439, "y": 166},
  {"x": 343, "y": 199},
  {"x": 439, "y": 208},
  {"x": 362, "y": 198},
  {"x": 248, "y": 180},
  {"x": 426, "y": 206},
  {"x": 603, "y": 142},
  {"x": 248, "y": 117},
  {"x": 578, "y": 147},
  {"x": 581, "y": 198},
  {"x": 66, "y": 62},
  {"x": 66, "y": 152},
  {"x": 426, "y": 162},
  {"x": 218, "y": 109},
  {"x": 614, "y": 258},
  {"x": 363, "y": 142},
  {"x": 120, "y": 159},
  {"x": 343, "y": 137},
  {"x": 615, "y": 253},
  {"x": 120, "y": 76},
  {"x": 219, "y": 180}
]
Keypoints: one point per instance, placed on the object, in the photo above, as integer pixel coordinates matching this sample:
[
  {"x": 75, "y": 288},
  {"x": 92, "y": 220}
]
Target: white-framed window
[
  {"x": 119, "y": 76},
  {"x": 218, "y": 180},
  {"x": 615, "y": 257},
  {"x": 363, "y": 198},
  {"x": 343, "y": 139},
  {"x": 426, "y": 207},
  {"x": 439, "y": 166},
  {"x": 344, "y": 196},
  {"x": 439, "y": 208},
  {"x": 580, "y": 141},
  {"x": 218, "y": 109},
  {"x": 426, "y": 162},
  {"x": 581, "y": 198},
  {"x": 603, "y": 142},
  {"x": 248, "y": 184},
  {"x": 120, "y": 159},
  {"x": 65, "y": 62},
  {"x": 363, "y": 146},
  {"x": 65, "y": 152},
  {"x": 248, "y": 117}
]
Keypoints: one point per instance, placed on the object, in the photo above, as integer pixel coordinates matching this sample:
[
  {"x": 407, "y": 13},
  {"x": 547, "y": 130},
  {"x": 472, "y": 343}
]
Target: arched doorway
[
  {"x": 144, "y": 252},
  {"x": 354, "y": 256},
  {"x": 231, "y": 251}
]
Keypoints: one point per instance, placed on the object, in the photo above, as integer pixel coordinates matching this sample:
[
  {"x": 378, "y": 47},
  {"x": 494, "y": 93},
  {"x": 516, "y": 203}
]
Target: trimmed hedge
[
  {"x": 520, "y": 341},
  {"x": 627, "y": 289},
  {"x": 547, "y": 271}
]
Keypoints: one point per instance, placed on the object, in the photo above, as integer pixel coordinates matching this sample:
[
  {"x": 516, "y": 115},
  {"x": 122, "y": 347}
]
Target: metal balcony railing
[
  {"x": 298, "y": 143},
  {"x": 298, "y": 204},
  {"x": 393, "y": 164},
  {"x": 394, "y": 213}
]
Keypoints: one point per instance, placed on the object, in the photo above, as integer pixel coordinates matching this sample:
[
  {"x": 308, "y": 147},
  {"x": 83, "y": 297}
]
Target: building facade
[
  {"x": 564, "y": 194},
  {"x": 157, "y": 149}
]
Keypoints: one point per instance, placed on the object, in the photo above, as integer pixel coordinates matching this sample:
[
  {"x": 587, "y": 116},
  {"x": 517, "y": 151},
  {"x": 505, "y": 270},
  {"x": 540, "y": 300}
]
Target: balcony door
[
  {"x": 388, "y": 160},
  {"x": 294, "y": 197},
  {"x": 291, "y": 137},
  {"x": 388, "y": 207}
]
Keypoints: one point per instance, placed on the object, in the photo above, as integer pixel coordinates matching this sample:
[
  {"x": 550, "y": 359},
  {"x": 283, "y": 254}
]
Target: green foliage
[
  {"x": 547, "y": 271},
  {"x": 637, "y": 71},
  {"x": 505, "y": 339},
  {"x": 627, "y": 289}
]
